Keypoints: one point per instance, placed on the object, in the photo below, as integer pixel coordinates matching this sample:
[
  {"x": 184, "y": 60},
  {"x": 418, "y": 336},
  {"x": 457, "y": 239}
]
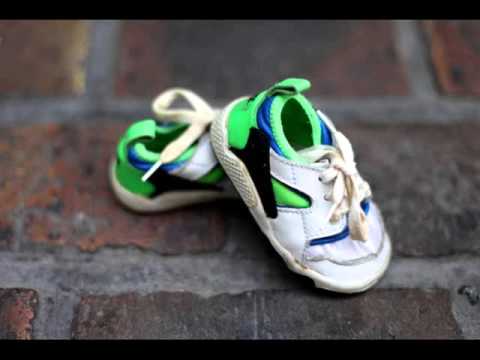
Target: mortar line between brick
[
  {"x": 42, "y": 110},
  {"x": 120, "y": 255},
  {"x": 255, "y": 316},
  {"x": 262, "y": 312},
  {"x": 116, "y": 272},
  {"x": 363, "y": 109},
  {"x": 451, "y": 298},
  {"x": 19, "y": 225},
  {"x": 50, "y": 321},
  {"x": 76, "y": 256},
  {"x": 414, "y": 52},
  {"x": 101, "y": 61},
  {"x": 369, "y": 109}
]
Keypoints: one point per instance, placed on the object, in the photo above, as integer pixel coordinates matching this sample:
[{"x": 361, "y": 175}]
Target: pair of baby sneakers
[{"x": 291, "y": 167}]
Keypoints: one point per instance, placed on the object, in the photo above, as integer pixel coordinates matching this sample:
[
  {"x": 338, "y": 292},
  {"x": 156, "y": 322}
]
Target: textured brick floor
[
  {"x": 75, "y": 264},
  {"x": 62, "y": 191},
  {"x": 62, "y": 194},
  {"x": 58, "y": 201}
]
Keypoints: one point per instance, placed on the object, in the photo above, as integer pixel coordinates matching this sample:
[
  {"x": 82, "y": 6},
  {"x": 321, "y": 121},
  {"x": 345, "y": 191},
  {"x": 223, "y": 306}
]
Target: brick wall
[{"x": 73, "y": 263}]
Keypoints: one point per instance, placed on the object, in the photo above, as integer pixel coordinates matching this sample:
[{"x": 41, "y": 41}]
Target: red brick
[
  {"x": 455, "y": 54},
  {"x": 17, "y": 311},
  {"x": 63, "y": 185},
  {"x": 43, "y": 58},
  {"x": 163, "y": 315},
  {"x": 24, "y": 147},
  {"x": 223, "y": 59},
  {"x": 142, "y": 67},
  {"x": 377, "y": 314},
  {"x": 9, "y": 195},
  {"x": 299, "y": 314}
]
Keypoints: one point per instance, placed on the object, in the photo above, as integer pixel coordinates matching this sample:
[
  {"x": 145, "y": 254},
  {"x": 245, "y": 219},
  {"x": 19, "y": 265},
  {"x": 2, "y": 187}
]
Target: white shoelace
[
  {"x": 349, "y": 189},
  {"x": 199, "y": 117}
]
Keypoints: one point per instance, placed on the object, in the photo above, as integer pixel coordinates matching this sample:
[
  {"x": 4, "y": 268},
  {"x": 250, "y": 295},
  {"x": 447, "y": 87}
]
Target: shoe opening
[{"x": 296, "y": 125}]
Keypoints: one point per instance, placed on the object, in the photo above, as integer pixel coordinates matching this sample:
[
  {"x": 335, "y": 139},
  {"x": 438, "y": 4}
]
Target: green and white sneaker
[
  {"x": 297, "y": 175},
  {"x": 168, "y": 163}
]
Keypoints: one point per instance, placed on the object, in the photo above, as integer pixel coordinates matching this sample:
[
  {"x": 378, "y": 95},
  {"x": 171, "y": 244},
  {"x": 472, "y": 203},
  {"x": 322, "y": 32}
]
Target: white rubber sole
[
  {"x": 167, "y": 201},
  {"x": 241, "y": 179}
]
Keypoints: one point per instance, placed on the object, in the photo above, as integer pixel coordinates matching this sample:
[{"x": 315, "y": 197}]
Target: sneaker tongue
[{"x": 293, "y": 119}]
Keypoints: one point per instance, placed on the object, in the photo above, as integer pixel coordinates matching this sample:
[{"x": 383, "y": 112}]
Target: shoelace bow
[
  {"x": 349, "y": 189},
  {"x": 200, "y": 116}
]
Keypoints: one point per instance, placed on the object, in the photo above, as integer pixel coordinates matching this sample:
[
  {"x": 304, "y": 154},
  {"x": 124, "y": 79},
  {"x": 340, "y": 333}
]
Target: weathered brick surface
[
  {"x": 224, "y": 59},
  {"x": 65, "y": 199},
  {"x": 378, "y": 314},
  {"x": 268, "y": 314},
  {"x": 24, "y": 148},
  {"x": 455, "y": 54},
  {"x": 163, "y": 315},
  {"x": 42, "y": 57},
  {"x": 426, "y": 178},
  {"x": 142, "y": 47},
  {"x": 17, "y": 311}
]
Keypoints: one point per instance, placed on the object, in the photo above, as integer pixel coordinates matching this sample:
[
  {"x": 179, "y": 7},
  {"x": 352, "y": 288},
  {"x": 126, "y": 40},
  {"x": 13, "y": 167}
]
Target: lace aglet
[{"x": 150, "y": 171}]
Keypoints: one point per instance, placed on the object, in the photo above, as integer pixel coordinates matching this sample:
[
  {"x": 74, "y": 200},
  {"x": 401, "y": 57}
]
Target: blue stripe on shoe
[
  {"x": 342, "y": 234},
  {"x": 142, "y": 165},
  {"x": 263, "y": 121},
  {"x": 165, "y": 124},
  {"x": 326, "y": 134}
]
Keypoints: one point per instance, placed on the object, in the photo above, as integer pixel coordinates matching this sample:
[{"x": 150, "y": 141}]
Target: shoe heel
[{"x": 233, "y": 166}]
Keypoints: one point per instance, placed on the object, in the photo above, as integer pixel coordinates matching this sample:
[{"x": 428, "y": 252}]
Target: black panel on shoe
[
  {"x": 256, "y": 157},
  {"x": 164, "y": 182}
]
